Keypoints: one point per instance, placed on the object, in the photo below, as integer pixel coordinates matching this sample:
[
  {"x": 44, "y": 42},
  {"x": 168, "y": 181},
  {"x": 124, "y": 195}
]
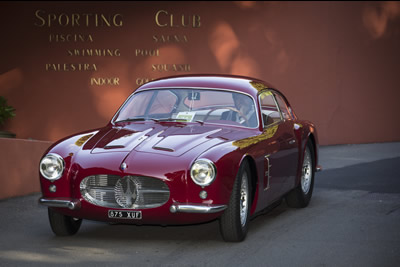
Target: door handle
[{"x": 291, "y": 142}]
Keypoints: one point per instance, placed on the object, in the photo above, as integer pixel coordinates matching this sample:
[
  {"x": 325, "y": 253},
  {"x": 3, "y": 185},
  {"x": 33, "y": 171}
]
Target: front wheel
[
  {"x": 63, "y": 225},
  {"x": 300, "y": 196},
  {"x": 235, "y": 220}
]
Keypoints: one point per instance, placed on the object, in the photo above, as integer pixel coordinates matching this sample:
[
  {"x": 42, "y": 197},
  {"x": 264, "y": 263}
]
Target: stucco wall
[
  {"x": 337, "y": 62},
  {"x": 19, "y": 166}
]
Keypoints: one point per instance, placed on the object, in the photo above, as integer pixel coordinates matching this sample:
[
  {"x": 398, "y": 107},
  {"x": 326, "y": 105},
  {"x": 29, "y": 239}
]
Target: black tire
[
  {"x": 233, "y": 225},
  {"x": 63, "y": 225},
  {"x": 300, "y": 196}
]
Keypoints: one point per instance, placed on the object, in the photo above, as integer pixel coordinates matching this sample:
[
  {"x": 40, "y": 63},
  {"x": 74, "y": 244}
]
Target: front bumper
[
  {"x": 174, "y": 208},
  {"x": 61, "y": 203},
  {"x": 196, "y": 208},
  {"x": 318, "y": 168}
]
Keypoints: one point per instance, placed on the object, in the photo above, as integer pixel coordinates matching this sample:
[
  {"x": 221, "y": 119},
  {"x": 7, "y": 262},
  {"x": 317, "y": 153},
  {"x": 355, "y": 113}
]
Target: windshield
[{"x": 190, "y": 105}]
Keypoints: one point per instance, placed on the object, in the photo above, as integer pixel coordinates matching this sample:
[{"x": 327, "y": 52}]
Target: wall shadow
[{"x": 380, "y": 176}]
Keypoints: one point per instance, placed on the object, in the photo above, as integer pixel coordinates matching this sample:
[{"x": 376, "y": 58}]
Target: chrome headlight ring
[
  {"x": 52, "y": 166},
  {"x": 203, "y": 172}
]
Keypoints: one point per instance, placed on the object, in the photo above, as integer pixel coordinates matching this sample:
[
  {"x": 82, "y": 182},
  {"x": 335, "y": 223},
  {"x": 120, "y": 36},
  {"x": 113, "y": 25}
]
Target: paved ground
[{"x": 353, "y": 220}]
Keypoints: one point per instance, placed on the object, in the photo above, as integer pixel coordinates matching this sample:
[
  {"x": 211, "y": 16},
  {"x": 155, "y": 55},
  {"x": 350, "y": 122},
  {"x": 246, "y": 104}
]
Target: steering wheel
[{"x": 230, "y": 108}]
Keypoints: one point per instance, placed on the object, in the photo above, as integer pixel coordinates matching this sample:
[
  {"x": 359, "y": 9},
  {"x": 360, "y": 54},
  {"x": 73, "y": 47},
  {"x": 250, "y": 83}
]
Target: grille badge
[{"x": 126, "y": 191}]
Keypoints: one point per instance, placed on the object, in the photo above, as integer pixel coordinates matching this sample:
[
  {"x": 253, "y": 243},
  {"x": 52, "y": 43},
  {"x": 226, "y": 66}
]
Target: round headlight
[
  {"x": 203, "y": 172},
  {"x": 52, "y": 167}
]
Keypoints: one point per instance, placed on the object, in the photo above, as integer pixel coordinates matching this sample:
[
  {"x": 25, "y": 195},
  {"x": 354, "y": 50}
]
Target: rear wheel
[
  {"x": 235, "y": 220},
  {"x": 63, "y": 225},
  {"x": 300, "y": 196}
]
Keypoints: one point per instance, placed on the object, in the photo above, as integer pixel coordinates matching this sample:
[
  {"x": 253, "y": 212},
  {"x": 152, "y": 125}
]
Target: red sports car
[{"x": 184, "y": 150}]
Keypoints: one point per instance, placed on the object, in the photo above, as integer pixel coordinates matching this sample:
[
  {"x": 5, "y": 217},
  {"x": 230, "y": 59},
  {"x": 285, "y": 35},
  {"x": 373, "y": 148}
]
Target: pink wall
[
  {"x": 19, "y": 166},
  {"x": 337, "y": 62}
]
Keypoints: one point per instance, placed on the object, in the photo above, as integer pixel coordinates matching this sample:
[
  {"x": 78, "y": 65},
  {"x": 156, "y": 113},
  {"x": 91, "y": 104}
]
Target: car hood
[{"x": 172, "y": 139}]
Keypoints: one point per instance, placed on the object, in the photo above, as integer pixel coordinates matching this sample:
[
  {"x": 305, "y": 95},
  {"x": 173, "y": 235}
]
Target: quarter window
[{"x": 283, "y": 107}]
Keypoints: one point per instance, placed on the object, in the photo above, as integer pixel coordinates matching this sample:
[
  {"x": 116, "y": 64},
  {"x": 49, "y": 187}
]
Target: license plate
[{"x": 123, "y": 214}]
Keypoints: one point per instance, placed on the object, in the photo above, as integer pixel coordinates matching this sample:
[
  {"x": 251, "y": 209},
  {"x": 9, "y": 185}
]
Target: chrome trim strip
[
  {"x": 60, "y": 203},
  {"x": 268, "y": 172},
  {"x": 196, "y": 208}
]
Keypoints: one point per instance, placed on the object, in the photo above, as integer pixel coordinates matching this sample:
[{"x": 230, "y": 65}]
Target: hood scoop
[
  {"x": 120, "y": 140},
  {"x": 175, "y": 143},
  {"x": 163, "y": 148},
  {"x": 113, "y": 146}
]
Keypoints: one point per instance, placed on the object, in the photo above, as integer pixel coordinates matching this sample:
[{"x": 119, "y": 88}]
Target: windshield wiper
[
  {"x": 132, "y": 119},
  {"x": 178, "y": 121},
  {"x": 169, "y": 119},
  {"x": 153, "y": 119}
]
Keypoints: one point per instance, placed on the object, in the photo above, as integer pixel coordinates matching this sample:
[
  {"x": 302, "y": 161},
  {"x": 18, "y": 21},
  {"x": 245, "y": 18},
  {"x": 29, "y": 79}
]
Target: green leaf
[{"x": 6, "y": 111}]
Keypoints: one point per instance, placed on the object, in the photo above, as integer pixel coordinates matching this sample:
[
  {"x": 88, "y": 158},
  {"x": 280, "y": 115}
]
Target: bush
[{"x": 6, "y": 111}]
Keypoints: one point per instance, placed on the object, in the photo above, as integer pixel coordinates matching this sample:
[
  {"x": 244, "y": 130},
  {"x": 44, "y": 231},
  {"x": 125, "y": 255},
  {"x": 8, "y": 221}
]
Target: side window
[
  {"x": 283, "y": 107},
  {"x": 269, "y": 110}
]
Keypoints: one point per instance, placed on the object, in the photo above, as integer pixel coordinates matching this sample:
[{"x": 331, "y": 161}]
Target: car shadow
[
  {"x": 127, "y": 232},
  {"x": 379, "y": 176}
]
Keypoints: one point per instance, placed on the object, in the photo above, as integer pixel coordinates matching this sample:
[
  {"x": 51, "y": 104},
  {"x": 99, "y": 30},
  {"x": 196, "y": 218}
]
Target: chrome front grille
[{"x": 129, "y": 192}]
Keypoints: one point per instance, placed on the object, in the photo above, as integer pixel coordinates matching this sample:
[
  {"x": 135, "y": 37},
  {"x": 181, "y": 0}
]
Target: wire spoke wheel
[
  {"x": 244, "y": 199},
  {"x": 300, "y": 196},
  {"x": 306, "y": 172}
]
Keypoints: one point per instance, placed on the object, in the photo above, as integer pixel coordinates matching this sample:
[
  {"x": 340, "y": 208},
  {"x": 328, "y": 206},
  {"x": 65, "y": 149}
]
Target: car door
[
  {"x": 288, "y": 144},
  {"x": 279, "y": 148}
]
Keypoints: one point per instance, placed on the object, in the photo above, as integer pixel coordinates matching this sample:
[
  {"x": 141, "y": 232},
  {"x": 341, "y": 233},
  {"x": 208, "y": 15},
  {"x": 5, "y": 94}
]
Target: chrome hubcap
[
  {"x": 307, "y": 172},
  {"x": 244, "y": 197}
]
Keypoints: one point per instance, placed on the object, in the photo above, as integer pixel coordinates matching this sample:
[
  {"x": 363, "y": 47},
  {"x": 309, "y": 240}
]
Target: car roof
[{"x": 211, "y": 81}]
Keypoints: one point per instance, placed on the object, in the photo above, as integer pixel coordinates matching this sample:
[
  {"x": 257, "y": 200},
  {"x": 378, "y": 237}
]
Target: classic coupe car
[{"x": 184, "y": 150}]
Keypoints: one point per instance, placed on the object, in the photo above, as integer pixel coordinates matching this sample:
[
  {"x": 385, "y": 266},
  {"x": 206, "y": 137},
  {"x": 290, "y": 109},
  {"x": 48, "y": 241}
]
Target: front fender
[
  {"x": 227, "y": 159},
  {"x": 67, "y": 148}
]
